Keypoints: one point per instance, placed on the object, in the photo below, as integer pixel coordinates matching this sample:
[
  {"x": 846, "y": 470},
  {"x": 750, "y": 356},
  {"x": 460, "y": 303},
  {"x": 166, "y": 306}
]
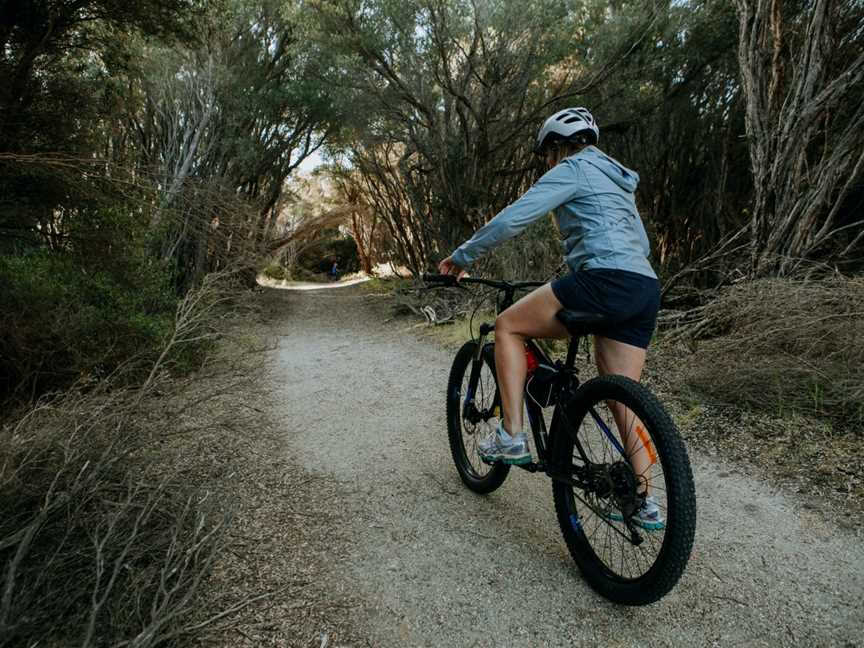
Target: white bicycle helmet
[{"x": 570, "y": 124}]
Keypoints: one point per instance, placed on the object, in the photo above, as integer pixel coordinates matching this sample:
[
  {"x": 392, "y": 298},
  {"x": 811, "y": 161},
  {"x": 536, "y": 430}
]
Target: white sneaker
[{"x": 505, "y": 448}]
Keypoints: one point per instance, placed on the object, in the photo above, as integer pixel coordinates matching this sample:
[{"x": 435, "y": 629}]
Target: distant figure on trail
[
  {"x": 606, "y": 249},
  {"x": 334, "y": 273}
]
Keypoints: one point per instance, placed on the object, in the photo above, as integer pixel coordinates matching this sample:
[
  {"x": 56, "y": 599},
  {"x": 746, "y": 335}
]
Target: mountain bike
[{"x": 597, "y": 432}]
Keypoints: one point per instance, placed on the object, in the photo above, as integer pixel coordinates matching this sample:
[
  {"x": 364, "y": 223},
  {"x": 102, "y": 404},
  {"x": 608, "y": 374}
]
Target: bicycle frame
[
  {"x": 566, "y": 383},
  {"x": 593, "y": 492},
  {"x": 565, "y": 380}
]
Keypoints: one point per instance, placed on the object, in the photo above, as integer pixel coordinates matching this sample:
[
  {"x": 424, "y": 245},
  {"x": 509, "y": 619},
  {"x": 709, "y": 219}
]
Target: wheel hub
[
  {"x": 616, "y": 484},
  {"x": 624, "y": 485}
]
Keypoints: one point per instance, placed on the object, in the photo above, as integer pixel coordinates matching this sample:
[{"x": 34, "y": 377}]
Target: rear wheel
[
  {"x": 472, "y": 413},
  {"x": 626, "y": 556}
]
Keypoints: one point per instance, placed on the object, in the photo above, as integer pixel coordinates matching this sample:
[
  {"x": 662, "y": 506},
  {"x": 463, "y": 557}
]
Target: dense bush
[
  {"x": 96, "y": 545},
  {"x": 108, "y": 532},
  {"x": 140, "y": 165},
  {"x": 784, "y": 346},
  {"x": 317, "y": 257},
  {"x": 275, "y": 270},
  {"x": 63, "y": 319}
]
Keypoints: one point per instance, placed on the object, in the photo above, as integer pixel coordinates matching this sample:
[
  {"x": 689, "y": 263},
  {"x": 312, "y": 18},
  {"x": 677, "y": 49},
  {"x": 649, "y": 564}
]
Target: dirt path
[{"x": 431, "y": 564}]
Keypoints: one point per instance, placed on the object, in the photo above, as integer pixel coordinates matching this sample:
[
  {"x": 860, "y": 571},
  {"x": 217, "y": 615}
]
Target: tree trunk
[{"x": 804, "y": 133}]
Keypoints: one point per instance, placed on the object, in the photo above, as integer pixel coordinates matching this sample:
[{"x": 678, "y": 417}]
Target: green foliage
[
  {"x": 385, "y": 285},
  {"x": 64, "y": 320},
  {"x": 275, "y": 270},
  {"x": 450, "y": 95},
  {"x": 672, "y": 111},
  {"x": 445, "y": 97},
  {"x": 319, "y": 256},
  {"x": 56, "y": 61},
  {"x": 142, "y": 145}
]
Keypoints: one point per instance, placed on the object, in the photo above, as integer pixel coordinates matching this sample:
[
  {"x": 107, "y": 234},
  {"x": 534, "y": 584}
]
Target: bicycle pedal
[{"x": 531, "y": 467}]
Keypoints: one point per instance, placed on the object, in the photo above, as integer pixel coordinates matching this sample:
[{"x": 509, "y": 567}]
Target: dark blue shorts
[{"x": 629, "y": 299}]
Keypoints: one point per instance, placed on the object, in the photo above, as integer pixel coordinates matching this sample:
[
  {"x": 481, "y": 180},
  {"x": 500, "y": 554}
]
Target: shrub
[
  {"x": 95, "y": 546},
  {"x": 787, "y": 345},
  {"x": 62, "y": 320},
  {"x": 275, "y": 270},
  {"x": 107, "y": 533},
  {"x": 316, "y": 257}
]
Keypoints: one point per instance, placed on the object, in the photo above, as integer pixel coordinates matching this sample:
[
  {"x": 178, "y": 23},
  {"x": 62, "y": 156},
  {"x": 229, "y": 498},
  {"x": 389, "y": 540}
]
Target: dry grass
[
  {"x": 787, "y": 346},
  {"x": 105, "y": 537},
  {"x": 802, "y": 454},
  {"x": 96, "y": 547},
  {"x": 768, "y": 374}
]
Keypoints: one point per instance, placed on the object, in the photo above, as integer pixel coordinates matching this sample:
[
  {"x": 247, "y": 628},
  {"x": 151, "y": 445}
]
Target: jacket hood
[{"x": 625, "y": 178}]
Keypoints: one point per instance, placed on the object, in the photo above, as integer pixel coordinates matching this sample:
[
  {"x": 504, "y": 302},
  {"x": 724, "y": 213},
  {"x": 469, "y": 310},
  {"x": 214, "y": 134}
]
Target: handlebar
[{"x": 452, "y": 281}]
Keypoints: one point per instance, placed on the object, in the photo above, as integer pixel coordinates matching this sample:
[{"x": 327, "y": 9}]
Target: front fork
[{"x": 483, "y": 352}]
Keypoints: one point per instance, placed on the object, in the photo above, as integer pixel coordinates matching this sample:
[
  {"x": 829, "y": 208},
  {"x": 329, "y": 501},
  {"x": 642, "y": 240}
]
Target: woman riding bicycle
[{"x": 606, "y": 249}]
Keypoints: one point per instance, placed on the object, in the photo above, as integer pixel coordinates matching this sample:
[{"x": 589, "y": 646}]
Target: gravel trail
[{"x": 430, "y": 563}]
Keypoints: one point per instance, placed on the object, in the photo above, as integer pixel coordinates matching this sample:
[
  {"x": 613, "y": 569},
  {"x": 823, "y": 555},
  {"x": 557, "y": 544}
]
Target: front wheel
[
  {"x": 472, "y": 413},
  {"x": 623, "y": 490}
]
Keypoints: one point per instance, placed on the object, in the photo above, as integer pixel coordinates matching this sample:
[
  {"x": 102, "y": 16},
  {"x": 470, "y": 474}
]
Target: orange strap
[{"x": 643, "y": 435}]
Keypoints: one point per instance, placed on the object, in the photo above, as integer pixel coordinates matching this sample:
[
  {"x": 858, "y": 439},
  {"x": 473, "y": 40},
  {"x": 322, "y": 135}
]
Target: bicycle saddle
[{"x": 581, "y": 322}]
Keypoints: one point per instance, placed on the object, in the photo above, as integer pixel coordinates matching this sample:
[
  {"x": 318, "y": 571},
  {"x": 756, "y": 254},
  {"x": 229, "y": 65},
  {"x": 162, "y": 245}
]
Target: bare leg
[
  {"x": 533, "y": 316},
  {"x": 615, "y": 357}
]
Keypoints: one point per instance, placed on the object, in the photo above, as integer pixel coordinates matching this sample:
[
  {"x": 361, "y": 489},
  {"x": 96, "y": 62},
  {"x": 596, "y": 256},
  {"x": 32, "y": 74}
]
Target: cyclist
[{"x": 606, "y": 250}]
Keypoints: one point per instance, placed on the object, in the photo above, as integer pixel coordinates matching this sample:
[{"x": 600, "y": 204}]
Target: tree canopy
[{"x": 150, "y": 143}]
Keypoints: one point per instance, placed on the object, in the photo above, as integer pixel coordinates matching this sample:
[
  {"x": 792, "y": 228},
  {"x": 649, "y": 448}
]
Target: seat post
[{"x": 571, "y": 351}]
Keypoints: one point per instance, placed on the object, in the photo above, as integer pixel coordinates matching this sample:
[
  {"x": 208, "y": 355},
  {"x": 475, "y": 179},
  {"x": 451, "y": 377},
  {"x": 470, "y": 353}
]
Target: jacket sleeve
[{"x": 554, "y": 188}]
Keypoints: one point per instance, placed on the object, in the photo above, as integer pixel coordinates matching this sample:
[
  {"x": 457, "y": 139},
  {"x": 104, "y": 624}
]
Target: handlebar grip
[{"x": 444, "y": 280}]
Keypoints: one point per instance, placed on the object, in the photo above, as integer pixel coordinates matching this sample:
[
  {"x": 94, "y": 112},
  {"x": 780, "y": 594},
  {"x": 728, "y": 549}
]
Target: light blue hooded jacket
[{"x": 592, "y": 195}]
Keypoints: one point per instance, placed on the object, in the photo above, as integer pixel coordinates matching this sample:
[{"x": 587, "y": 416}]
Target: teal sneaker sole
[
  {"x": 516, "y": 461},
  {"x": 648, "y": 526},
  {"x": 510, "y": 461}
]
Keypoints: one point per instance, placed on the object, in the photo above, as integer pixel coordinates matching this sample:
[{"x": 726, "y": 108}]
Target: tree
[
  {"x": 452, "y": 91},
  {"x": 142, "y": 145},
  {"x": 672, "y": 111},
  {"x": 802, "y": 70},
  {"x": 229, "y": 119},
  {"x": 54, "y": 96}
]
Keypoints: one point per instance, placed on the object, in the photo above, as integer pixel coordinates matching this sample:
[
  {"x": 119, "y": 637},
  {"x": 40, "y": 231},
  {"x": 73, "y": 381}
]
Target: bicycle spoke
[
  {"x": 610, "y": 538},
  {"x": 472, "y": 433}
]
